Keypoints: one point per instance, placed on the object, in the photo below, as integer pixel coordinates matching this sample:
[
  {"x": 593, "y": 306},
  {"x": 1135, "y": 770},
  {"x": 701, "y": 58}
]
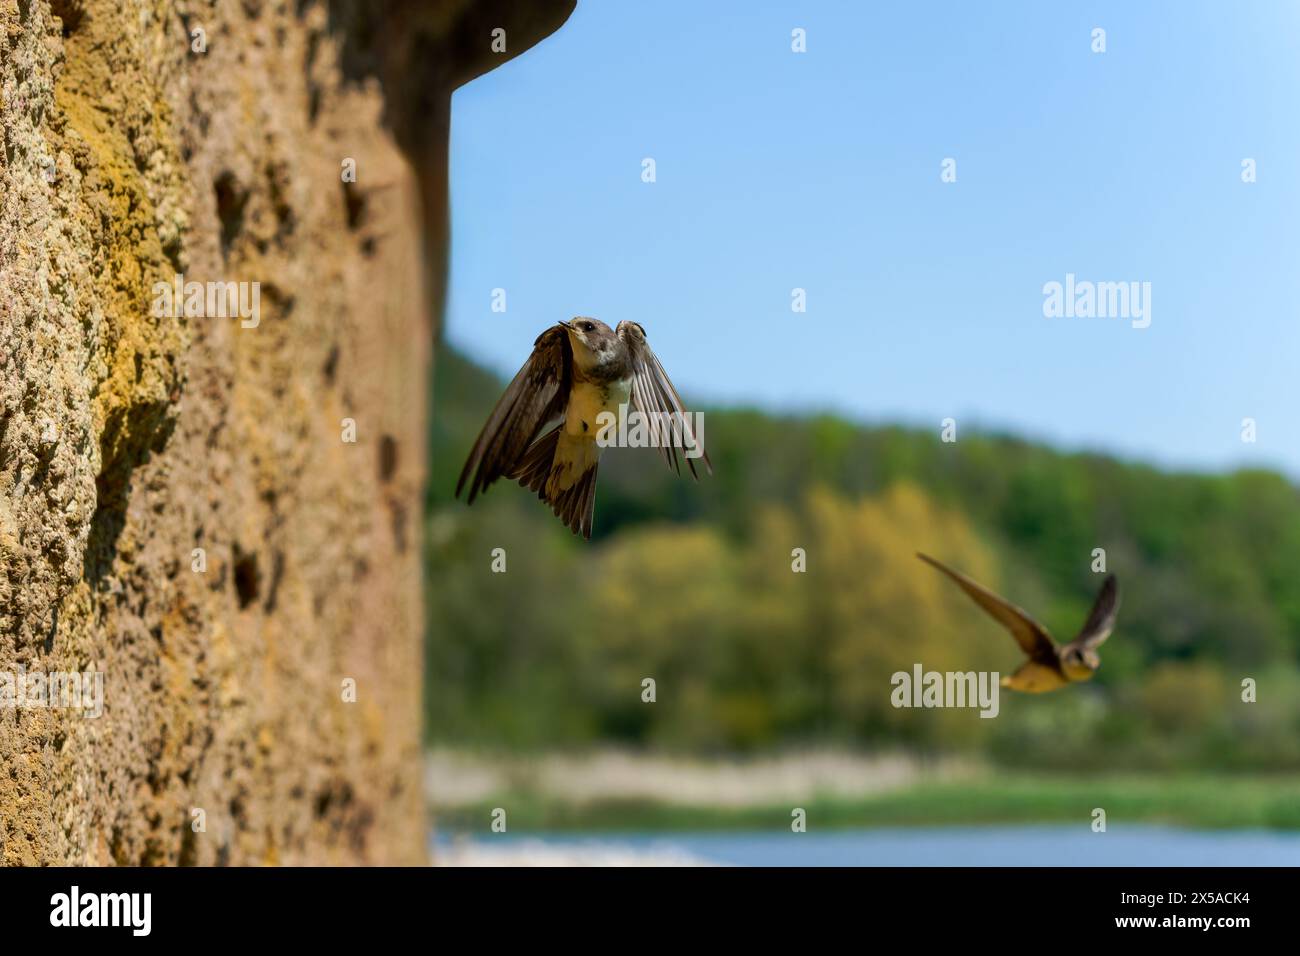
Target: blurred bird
[
  {"x": 1050, "y": 665},
  {"x": 578, "y": 370}
]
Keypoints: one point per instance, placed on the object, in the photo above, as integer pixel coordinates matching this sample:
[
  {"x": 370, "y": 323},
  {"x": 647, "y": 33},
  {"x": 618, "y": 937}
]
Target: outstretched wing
[
  {"x": 1029, "y": 634},
  {"x": 536, "y": 396},
  {"x": 1101, "y": 619},
  {"x": 653, "y": 396}
]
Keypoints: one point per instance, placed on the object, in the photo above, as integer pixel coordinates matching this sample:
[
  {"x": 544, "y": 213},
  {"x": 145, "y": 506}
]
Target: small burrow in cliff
[
  {"x": 387, "y": 458},
  {"x": 248, "y": 580},
  {"x": 354, "y": 204},
  {"x": 231, "y": 199},
  {"x": 70, "y": 12}
]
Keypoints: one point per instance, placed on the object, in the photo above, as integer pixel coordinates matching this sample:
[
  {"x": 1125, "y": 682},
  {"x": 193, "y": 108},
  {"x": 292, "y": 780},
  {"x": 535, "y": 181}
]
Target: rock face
[{"x": 183, "y": 518}]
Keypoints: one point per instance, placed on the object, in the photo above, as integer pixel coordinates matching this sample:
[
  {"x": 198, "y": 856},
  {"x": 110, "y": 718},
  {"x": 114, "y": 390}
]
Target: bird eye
[{"x": 587, "y": 326}]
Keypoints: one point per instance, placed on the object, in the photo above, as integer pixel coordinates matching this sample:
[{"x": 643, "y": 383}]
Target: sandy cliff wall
[{"x": 129, "y": 440}]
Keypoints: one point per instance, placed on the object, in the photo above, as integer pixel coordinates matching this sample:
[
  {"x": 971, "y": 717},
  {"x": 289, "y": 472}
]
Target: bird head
[
  {"x": 1080, "y": 663},
  {"x": 594, "y": 343}
]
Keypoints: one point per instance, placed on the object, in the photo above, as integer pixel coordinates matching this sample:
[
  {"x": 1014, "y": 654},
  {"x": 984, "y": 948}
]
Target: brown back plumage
[{"x": 536, "y": 395}]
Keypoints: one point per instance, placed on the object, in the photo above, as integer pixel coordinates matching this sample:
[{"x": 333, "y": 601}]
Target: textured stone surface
[{"x": 127, "y": 440}]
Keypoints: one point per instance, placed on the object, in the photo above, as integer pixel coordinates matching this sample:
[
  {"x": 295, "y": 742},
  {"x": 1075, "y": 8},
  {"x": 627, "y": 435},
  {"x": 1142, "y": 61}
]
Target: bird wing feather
[
  {"x": 535, "y": 397},
  {"x": 1101, "y": 619},
  {"x": 1029, "y": 634},
  {"x": 653, "y": 395}
]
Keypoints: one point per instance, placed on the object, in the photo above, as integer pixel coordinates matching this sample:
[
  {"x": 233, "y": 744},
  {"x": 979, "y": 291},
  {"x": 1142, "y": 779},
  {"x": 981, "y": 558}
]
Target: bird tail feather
[
  {"x": 573, "y": 505},
  {"x": 535, "y": 467}
]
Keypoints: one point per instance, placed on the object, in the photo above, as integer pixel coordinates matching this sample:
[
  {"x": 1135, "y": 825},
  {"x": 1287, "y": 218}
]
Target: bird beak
[{"x": 568, "y": 326}]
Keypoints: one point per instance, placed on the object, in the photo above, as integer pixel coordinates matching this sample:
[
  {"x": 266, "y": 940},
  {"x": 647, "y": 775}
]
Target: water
[{"x": 948, "y": 846}]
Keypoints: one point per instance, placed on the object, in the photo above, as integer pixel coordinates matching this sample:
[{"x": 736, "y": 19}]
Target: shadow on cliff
[
  {"x": 420, "y": 52},
  {"x": 131, "y": 435}
]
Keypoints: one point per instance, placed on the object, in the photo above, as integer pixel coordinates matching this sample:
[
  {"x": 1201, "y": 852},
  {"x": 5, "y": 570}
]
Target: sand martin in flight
[
  {"x": 580, "y": 373},
  {"x": 1050, "y": 665}
]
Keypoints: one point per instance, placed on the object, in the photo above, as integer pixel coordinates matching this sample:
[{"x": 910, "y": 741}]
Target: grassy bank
[{"x": 1200, "y": 801}]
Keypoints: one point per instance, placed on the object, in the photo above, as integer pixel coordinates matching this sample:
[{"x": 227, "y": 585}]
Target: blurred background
[{"x": 777, "y": 170}]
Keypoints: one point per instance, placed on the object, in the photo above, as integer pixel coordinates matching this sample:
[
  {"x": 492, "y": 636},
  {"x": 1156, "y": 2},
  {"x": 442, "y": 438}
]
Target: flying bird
[
  {"x": 1050, "y": 665},
  {"x": 578, "y": 370}
]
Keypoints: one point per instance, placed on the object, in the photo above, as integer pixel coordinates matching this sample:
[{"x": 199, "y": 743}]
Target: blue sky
[{"x": 821, "y": 170}]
